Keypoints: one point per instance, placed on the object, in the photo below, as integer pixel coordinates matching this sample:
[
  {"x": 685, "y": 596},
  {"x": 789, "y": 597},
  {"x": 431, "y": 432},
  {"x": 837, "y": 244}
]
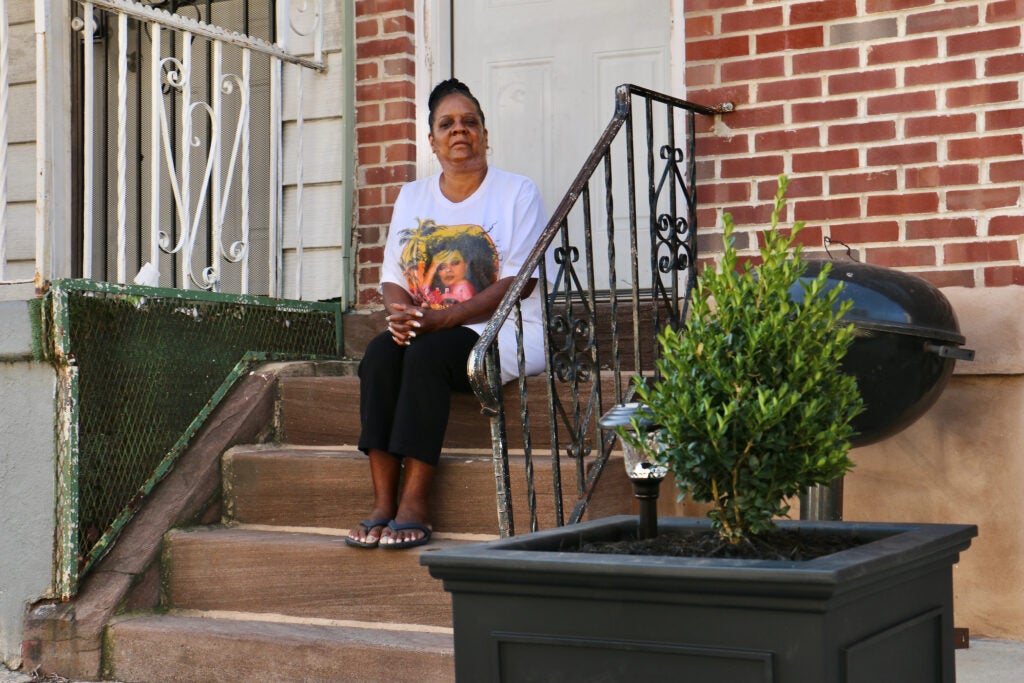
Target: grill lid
[{"x": 889, "y": 300}]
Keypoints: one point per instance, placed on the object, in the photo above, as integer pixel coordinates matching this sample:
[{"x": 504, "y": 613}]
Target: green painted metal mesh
[{"x": 147, "y": 367}]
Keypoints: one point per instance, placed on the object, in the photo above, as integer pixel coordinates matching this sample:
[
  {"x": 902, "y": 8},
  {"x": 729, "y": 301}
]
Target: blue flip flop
[
  {"x": 425, "y": 538},
  {"x": 369, "y": 525}
]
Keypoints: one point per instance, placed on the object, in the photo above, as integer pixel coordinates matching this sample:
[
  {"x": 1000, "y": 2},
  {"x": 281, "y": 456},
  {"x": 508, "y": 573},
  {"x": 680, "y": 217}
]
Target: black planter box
[{"x": 525, "y": 610}]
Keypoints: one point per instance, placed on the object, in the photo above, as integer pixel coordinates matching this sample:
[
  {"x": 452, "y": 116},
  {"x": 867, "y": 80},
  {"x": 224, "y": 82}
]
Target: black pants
[{"x": 405, "y": 391}]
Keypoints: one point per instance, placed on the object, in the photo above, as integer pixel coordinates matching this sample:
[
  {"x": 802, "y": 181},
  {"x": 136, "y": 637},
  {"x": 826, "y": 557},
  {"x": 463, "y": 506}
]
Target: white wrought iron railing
[{"x": 168, "y": 184}]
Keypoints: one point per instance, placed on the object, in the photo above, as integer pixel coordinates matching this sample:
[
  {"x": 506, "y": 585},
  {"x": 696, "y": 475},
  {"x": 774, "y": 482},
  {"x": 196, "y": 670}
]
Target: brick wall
[
  {"x": 385, "y": 128},
  {"x": 899, "y": 123}
]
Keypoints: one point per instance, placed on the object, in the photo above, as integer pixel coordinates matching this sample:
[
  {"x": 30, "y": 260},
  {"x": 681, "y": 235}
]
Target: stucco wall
[
  {"x": 963, "y": 462},
  {"x": 26, "y": 476}
]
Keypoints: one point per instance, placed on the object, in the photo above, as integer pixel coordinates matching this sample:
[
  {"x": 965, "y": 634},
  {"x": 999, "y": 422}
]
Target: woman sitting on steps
[{"x": 480, "y": 223}]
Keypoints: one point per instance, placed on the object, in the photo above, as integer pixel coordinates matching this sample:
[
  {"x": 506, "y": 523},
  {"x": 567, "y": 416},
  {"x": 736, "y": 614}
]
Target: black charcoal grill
[{"x": 907, "y": 343}]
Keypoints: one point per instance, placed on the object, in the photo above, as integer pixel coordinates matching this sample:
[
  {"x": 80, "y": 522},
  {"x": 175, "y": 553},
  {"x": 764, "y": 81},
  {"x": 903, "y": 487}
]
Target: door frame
[{"x": 434, "y": 63}]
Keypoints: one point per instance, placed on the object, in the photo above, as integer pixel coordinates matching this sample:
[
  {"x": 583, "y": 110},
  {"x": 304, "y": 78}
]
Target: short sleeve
[{"x": 529, "y": 221}]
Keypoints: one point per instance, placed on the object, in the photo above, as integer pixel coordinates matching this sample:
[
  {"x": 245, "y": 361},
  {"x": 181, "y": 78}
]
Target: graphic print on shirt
[{"x": 446, "y": 264}]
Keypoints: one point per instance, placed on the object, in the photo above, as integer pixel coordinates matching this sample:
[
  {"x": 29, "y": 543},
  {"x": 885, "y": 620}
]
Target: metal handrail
[{"x": 669, "y": 233}]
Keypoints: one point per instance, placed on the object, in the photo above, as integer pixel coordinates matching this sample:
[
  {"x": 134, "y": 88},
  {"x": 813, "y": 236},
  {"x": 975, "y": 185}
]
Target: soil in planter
[{"x": 778, "y": 544}]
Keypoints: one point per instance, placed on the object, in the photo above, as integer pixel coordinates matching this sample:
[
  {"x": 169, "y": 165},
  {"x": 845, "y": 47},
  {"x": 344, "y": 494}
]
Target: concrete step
[
  {"x": 324, "y": 411},
  {"x": 185, "y": 648},
  {"x": 330, "y": 487},
  {"x": 301, "y": 574}
]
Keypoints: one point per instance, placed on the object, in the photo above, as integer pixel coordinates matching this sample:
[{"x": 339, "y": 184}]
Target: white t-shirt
[{"x": 443, "y": 252}]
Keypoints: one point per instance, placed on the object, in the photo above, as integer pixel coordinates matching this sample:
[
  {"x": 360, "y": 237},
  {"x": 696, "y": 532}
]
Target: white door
[{"x": 545, "y": 72}]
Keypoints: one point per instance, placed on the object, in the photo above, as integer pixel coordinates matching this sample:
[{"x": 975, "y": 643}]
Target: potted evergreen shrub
[{"x": 751, "y": 408}]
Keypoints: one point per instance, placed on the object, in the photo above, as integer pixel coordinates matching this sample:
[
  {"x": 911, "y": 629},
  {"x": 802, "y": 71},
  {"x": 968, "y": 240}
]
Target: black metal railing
[{"x": 601, "y": 314}]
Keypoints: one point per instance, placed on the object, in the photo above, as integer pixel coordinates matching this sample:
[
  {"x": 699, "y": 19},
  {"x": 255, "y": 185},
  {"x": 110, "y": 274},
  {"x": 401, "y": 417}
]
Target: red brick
[
  {"x": 391, "y": 192},
  {"x": 368, "y": 113},
  {"x": 901, "y": 257},
  {"x": 717, "y": 146},
  {"x": 829, "y": 110},
  {"x": 882, "y": 79},
  {"x": 751, "y": 167},
  {"x": 903, "y": 51},
  {"x": 941, "y": 176},
  {"x": 942, "y": 20},
  {"x": 756, "y": 117},
  {"x": 864, "y": 131},
  {"x": 983, "y": 93},
  {"x": 700, "y": 75},
  {"x": 724, "y": 193},
  {"x": 819, "y": 12},
  {"x": 399, "y": 66},
  {"x": 863, "y": 233},
  {"x": 1004, "y": 118},
  {"x": 793, "y": 39},
  {"x": 1006, "y": 225},
  {"x": 403, "y": 23},
  {"x": 787, "y": 139},
  {"x": 789, "y": 89},
  {"x": 1006, "y": 171},
  {"x": 369, "y": 155},
  {"x": 799, "y": 186},
  {"x": 893, "y": 5},
  {"x": 903, "y": 204},
  {"x": 826, "y": 209},
  {"x": 980, "y": 252},
  {"x": 983, "y": 41},
  {"x": 374, "y": 215},
  {"x": 938, "y": 228},
  {"x": 948, "y": 278},
  {"x": 737, "y": 94},
  {"x": 1004, "y": 65},
  {"x": 380, "y": 175},
  {"x": 979, "y": 199},
  {"x": 389, "y": 90},
  {"x": 940, "y": 125},
  {"x": 367, "y": 28},
  {"x": 861, "y": 183},
  {"x": 759, "y": 215},
  {"x": 898, "y": 155},
  {"x": 371, "y": 255},
  {"x": 821, "y": 61},
  {"x": 717, "y": 48},
  {"x": 400, "y": 151},
  {"x": 830, "y": 160},
  {"x": 384, "y": 47},
  {"x": 368, "y": 196},
  {"x": 922, "y": 100},
  {"x": 368, "y": 297},
  {"x": 699, "y": 27},
  {"x": 939, "y": 72},
  {"x": 1006, "y": 10},
  {"x": 753, "y": 69},
  {"x": 369, "y": 235},
  {"x": 366, "y": 71},
  {"x": 402, "y": 110},
  {"x": 1002, "y": 276},
  {"x": 384, "y": 132},
  {"x": 985, "y": 147},
  {"x": 734, "y": 22}
]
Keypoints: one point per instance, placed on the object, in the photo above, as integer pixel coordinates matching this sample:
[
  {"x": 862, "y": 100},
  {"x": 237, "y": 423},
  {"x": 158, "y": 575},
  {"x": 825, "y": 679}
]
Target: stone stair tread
[
  {"x": 189, "y": 646},
  {"x": 301, "y": 574}
]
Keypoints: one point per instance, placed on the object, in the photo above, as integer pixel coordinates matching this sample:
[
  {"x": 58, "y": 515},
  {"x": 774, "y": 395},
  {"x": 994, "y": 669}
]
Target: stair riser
[
  {"x": 322, "y": 411},
  {"x": 172, "y": 650},
  {"x": 300, "y": 575},
  {"x": 332, "y": 489}
]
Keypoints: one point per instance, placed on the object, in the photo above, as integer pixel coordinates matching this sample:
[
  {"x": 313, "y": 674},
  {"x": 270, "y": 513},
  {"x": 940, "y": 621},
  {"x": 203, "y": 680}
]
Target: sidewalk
[{"x": 985, "y": 661}]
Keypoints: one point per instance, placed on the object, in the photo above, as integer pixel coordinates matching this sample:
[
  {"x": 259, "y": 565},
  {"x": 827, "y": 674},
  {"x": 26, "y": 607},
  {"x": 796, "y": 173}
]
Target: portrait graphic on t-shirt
[{"x": 446, "y": 264}]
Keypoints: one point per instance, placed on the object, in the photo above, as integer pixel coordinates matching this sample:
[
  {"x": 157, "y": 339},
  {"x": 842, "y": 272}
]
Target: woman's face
[
  {"x": 451, "y": 269},
  {"x": 458, "y": 137}
]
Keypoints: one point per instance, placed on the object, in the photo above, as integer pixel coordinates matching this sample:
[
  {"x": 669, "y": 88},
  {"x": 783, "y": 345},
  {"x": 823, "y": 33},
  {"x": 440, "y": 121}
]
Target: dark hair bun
[{"x": 451, "y": 86}]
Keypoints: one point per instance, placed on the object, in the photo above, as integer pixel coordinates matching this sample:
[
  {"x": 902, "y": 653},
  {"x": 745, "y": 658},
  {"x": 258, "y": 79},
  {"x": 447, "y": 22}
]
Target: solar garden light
[{"x": 639, "y": 458}]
